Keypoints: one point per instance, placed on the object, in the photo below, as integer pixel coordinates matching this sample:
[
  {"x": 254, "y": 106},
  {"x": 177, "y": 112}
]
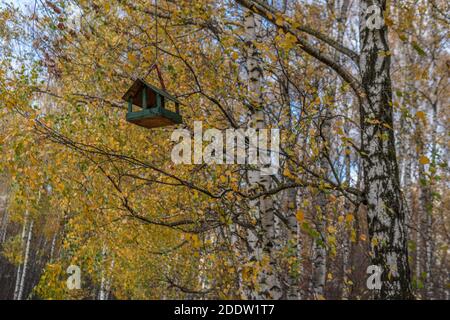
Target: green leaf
[{"x": 419, "y": 50}]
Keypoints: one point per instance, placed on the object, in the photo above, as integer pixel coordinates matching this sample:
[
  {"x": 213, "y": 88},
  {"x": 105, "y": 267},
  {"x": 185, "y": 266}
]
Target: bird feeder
[{"x": 157, "y": 107}]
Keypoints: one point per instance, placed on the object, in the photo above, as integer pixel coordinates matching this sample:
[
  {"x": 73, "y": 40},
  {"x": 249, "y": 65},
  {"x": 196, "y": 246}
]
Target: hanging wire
[
  {"x": 156, "y": 31},
  {"x": 155, "y": 64}
]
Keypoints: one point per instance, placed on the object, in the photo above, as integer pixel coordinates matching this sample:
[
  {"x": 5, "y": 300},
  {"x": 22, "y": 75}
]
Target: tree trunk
[
  {"x": 25, "y": 262},
  {"x": 254, "y": 75},
  {"x": 52, "y": 247},
  {"x": 263, "y": 208},
  {"x": 293, "y": 241},
  {"x": 346, "y": 267},
  {"x": 5, "y": 217},
  {"x": 386, "y": 211},
  {"x": 19, "y": 267},
  {"x": 319, "y": 252},
  {"x": 101, "y": 293}
]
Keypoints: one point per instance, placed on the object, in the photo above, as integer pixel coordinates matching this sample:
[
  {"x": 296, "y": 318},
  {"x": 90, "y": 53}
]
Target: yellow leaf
[
  {"x": 374, "y": 242},
  {"x": 195, "y": 241},
  {"x": 132, "y": 58},
  {"x": 300, "y": 216},
  {"x": 387, "y": 126},
  {"x": 287, "y": 172},
  {"x": 330, "y": 276},
  {"x": 291, "y": 38},
  {"x": 349, "y": 218},
  {"x": 279, "y": 21},
  {"x": 234, "y": 55},
  {"x": 424, "y": 160},
  {"x": 363, "y": 237},
  {"x": 341, "y": 219},
  {"x": 331, "y": 229},
  {"x": 353, "y": 236},
  {"x": 421, "y": 115}
]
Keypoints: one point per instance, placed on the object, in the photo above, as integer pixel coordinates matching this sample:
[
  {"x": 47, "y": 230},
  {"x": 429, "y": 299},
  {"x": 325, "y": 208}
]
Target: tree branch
[{"x": 256, "y": 7}]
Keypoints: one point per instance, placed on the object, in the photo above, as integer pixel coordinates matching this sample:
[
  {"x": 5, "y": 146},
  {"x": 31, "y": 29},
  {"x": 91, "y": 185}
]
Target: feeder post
[
  {"x": 158, "y": 102},
  {"x": 144, "y": 98},
  {"x": 130, "y": 104}
]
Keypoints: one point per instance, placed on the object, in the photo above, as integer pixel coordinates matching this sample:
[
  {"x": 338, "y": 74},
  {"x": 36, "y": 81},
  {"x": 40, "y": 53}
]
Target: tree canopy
[{"x": 363, "y": 173}]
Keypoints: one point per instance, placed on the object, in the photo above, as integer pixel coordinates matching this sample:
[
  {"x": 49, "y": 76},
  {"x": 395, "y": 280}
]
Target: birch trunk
[
  {"x": 293, "y": 292},
  {"x": 289, "y": 209},
  {"x": 426, "y": 203},
  {"x": 25, "y": 263},
  {"x": 106, "y": 282},
  {"x": 19, "y": 267},
  {"x": 425, "y": 215},
  {"x": 110, "y": 279},
  {"x": 386, "y": 211},
  {"x": 341, "y": 21},
  {"x": 319, "y": 252},
  {"x": 5, "y": 222},
  {"x": 319, "y": 245},
  {"x": 52, "y": 247},
  {"x": 102, "y": 291},
  {"x": 254, "y": 76},
  {"x": 5, "y": 217},
  {"x": 346, "y": 267},
  {"x": 262, "y": 209}
]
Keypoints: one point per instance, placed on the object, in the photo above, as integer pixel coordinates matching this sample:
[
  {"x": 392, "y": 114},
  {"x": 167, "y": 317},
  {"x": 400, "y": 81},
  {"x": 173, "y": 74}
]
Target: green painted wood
[
  {"x": 154, "y": 115},
  {"x": 164, "y": 116},
  {"x": 158, "y": 102},
  {"x": 144, "y": 98},
  {"x": 139, "y": 84},
  {"x": 162, "y": 92}
]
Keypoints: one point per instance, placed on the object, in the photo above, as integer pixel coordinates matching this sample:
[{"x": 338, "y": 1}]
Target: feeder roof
[{"x": 139, "y": 84}]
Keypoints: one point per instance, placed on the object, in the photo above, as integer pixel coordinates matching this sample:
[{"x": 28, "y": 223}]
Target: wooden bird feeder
[{"x": 158, "y": 108}]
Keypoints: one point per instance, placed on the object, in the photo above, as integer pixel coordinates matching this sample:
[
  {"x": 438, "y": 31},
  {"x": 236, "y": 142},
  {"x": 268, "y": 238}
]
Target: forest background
[{"x": 363, "y": 179}]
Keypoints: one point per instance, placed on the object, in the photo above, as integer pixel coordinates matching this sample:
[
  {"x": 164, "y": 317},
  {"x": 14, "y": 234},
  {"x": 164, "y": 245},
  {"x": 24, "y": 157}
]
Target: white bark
[
  {"x": 106, "y": 282},
  {"x": 5, "y": 218},
  {"x": 262, "y": 210},
  {"x": 19, "y": 267},
  {"x": 293, "y": 280},
  {"x": 101, "y": 293},
  {"x": 386, "y": 211},
  {"x": 110, "y": 279},
  {"x": 106, "y": 275},
  {"x": 25, "y": 263},
  {"x": 346, "y": 267},
  {"x": 319, "y": 258},
  {"x": 52, "y": 247},
  {"x": 254, "y": 246},
  {"x": 319, "y": 252}
]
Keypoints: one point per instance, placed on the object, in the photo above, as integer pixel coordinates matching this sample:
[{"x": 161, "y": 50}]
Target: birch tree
[
  {"x": 207, "y": 231},
  {"x": 386, "y": 211},
  {"x": 262, "y": 207}
]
